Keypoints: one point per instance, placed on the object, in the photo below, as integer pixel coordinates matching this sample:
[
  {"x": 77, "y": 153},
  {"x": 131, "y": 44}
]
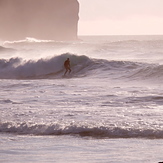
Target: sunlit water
[{"x": 109, "y": 109}]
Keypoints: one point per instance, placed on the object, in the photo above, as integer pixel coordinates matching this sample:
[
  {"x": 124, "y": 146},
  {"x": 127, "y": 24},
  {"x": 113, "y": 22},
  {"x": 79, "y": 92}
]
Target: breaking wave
[
  {"x": 99, "y": 132},
  {"x": 27, "y": 40},
  {"x": 45, "y": 68},
  {"x": 17, "y": 68}
]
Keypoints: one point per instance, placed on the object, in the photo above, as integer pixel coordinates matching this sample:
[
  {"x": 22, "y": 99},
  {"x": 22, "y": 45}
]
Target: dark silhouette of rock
[{"x": 40, "y": 19}]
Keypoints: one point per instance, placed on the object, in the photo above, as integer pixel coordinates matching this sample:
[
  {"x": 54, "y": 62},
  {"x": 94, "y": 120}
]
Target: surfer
[{"x": 67, "y": 66}]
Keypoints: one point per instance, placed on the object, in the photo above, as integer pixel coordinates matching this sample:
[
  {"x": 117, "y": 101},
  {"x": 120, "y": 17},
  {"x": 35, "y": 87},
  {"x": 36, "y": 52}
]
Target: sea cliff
[{"x": 40, "y": 19}]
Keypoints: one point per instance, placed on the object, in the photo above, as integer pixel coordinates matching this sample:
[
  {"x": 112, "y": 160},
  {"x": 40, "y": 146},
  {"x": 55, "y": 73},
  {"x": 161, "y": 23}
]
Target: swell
[
  {"x": 17, "y": 68},
  {"x": 148, "y": 71},
  {"x": 4, "y": 49},
  {"x": 99, "y": 132},
  {"x": 96, "y": 45},
  {"x": 46, "y": 68}
]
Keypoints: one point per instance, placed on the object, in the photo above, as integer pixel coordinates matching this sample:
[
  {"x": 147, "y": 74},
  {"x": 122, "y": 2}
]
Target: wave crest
[
  {"x": 28, "y": 40},
  {"x": 100, "y": 132},
  {"x": 17, "y": 68}
]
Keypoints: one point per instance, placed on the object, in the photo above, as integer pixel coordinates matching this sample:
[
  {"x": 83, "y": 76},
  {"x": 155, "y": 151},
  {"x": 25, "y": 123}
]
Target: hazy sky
[{"x": 114, "y": 17}]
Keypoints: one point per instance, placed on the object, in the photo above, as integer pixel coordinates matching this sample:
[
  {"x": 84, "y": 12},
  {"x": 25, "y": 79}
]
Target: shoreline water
[{"x": 71, "y": 149}]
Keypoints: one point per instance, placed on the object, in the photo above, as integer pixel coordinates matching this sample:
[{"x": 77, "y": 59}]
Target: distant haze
[
  {"x": 42, "y": 19},
  {"x": 114, "y": 17}
]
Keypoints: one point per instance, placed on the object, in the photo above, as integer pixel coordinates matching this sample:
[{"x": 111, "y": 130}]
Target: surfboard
[
  {"x": 67, "y": 76},
  {"x": 54, "y": 73}
]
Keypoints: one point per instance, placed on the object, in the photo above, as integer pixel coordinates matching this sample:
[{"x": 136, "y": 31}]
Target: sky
[{"x": 120, "y": 17}]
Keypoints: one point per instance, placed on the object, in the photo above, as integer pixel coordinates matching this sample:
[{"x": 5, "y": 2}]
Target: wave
[
  {"x": 17, "y": 68},
  {"x": 99, "y": 132},
  {"x": 115, "y": 43},
  {"x": 28, "y": 40},
  {"x": 4, "y": 49},
  {"x": 46, "y": 68},
  {"x": 93, "y": 46},
  {"x": 148, "y": 71}
]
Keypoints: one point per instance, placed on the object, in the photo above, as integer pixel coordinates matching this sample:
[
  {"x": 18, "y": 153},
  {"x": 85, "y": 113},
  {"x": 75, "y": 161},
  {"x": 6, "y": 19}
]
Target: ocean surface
[{"x": 109, "y": 109}]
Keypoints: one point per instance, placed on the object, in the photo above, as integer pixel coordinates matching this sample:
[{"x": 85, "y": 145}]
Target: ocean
[{"x": 109, "y": 109}]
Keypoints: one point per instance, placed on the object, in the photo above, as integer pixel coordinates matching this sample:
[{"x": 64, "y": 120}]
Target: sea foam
[{"x": 100, "y": 131}]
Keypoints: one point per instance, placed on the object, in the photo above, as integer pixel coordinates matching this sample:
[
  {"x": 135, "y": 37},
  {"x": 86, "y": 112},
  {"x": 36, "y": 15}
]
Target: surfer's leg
[
  {"x": 69, "y": 70},
  {"x": 65, "y": 71}
]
